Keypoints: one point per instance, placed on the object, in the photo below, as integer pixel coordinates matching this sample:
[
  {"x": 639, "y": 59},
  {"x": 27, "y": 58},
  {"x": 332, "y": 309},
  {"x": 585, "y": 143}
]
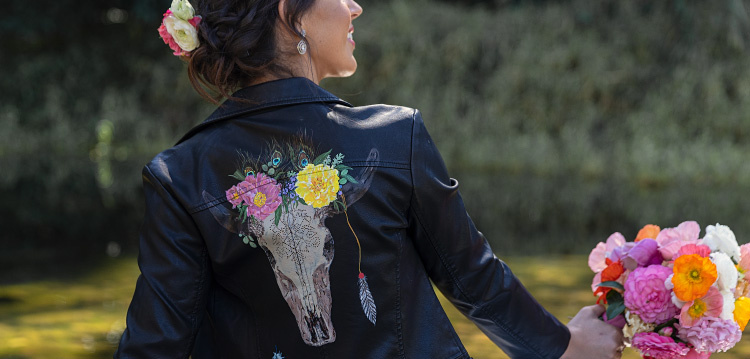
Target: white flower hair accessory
[{"x": 179, "y": 28}]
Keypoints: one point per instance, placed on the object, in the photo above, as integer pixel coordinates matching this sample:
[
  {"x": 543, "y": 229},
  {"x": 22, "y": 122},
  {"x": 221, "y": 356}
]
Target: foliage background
[{"x": 563, "y": 120}]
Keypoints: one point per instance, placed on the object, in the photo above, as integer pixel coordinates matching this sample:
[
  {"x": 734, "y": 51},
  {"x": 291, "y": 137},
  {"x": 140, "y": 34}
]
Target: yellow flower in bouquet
[
  {"x": 742, "y": 311},
  {"x": 318, "y": 185},
  {"x": 693, "y": 276}
]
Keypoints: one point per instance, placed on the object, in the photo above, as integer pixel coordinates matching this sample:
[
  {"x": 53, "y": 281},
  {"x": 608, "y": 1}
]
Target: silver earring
[{"x": 302, "y": 44}]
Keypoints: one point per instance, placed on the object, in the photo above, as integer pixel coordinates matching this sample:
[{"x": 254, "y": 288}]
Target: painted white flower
[
  {"x": 725, "y": 268},
  {"x": 182, "y": 10},
  {"x": 721, "y": 238},
  {"x": 183, "y": 33}
]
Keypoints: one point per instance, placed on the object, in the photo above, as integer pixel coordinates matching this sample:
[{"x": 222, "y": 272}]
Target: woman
[{"x": 262, "y": 221}]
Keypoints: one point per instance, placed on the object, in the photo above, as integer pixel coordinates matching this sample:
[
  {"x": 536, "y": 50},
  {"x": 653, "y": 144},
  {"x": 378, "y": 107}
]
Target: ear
[{"x": 294, "y": 32}]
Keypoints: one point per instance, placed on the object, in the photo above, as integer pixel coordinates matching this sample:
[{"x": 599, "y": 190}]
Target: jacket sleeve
[
  {"x": 460, "y": 262},
  {"x": 169, "y": 300}
]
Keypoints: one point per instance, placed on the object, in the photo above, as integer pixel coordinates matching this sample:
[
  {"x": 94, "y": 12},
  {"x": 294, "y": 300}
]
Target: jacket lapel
[{"x": 267, "y": 95}]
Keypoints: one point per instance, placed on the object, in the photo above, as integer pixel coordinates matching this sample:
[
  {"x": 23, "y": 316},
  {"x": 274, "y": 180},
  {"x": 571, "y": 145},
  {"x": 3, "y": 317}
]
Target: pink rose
[
  {"x": 646, "y": 295},
  {"x": 657, "y": 346}
]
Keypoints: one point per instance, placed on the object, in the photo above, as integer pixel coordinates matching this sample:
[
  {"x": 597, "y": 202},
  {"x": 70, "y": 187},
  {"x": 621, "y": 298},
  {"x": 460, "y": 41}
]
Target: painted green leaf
[
  {"x": 264, "y": 167},
  {"x": 271, "y": 171},
  {"x": 238, "y": 175},
  {"x": 342, "y": 181},
  {"x": 245, "y": 240},
  {"x": 252, "y": 244},
  {"x": 277, "y": 216},
  {"x": 612, "y": 284},
  {"x": 351, "y": 179},
  {"x": 318, "y": 160},
  {"x": 344, "y": 172}
]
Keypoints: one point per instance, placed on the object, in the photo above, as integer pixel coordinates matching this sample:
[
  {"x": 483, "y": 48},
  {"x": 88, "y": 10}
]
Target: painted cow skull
[{"x": 300, "y": 251}]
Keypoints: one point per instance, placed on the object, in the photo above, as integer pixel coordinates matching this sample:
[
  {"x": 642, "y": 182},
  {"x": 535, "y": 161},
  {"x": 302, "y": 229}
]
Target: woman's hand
[{"x": 592, "y": 338}]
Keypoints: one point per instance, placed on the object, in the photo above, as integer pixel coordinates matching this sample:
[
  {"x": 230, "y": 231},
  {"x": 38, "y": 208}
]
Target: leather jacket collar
[{"x": 295, "y": 90}]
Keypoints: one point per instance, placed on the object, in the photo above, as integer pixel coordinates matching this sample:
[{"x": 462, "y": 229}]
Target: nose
[{"x": 355, "y": 9}]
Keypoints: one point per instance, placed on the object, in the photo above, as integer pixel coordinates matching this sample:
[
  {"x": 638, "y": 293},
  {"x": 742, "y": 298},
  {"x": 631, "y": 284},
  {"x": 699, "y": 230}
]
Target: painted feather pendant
[{"x": 368, "y": 304}]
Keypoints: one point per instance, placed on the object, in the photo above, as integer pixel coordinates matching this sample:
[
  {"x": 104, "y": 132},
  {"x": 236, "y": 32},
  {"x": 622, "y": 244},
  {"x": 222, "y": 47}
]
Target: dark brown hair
[{"x": 238, "y": 44}]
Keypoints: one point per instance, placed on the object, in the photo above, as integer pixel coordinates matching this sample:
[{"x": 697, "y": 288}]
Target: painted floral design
[
  {"x": 262, "y": 198},
  {"x": 280, "y": 204},
  {"x": 318, "y": 185}
]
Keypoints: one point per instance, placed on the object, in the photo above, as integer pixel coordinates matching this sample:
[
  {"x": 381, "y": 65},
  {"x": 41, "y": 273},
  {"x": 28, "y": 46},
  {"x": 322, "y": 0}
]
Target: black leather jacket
[{"x": 250, "y": 246}]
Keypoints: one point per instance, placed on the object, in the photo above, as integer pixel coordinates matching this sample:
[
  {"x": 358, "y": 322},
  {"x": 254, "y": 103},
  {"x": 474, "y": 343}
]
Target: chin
[{"x": 350, "y": 70}]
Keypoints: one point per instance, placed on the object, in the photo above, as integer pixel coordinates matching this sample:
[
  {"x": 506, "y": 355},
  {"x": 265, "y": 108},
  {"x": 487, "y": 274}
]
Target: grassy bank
[{"x": 83, "y": 317}]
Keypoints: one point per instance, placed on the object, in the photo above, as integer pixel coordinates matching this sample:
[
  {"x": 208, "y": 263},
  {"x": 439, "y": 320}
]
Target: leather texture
[{"x": 204, "y": 293}]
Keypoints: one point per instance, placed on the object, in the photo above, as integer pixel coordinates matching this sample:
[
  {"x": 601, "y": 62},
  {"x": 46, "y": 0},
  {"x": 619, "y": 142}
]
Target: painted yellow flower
[
  {"x": 742, "y": 311},
  {"x": 693, "y": 276},
  {"x": 318, "y": 185}
]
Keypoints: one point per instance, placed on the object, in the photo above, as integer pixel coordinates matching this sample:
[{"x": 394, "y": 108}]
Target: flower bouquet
[{"x": 674, "y": 294}]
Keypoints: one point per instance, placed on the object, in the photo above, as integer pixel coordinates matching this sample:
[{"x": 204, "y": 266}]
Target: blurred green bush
[{"x": 563, "y": 120}]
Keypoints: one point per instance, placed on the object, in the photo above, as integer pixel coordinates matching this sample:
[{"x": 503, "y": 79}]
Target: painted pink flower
[
  {"x": 711, "y": 334},
  {"x": 600, "y": 253},
  {"x": 671, "y": 239},
  {"x": 646, "y": 295},
  {"x": 263, "y": 197},
  {"x": 643, "y": 254},
  {"x": 658, "y": 347},
  {"x": 692, "y": 248},
  {"x": 234, "y": 194},
  {"x": 709, "y": 305}
]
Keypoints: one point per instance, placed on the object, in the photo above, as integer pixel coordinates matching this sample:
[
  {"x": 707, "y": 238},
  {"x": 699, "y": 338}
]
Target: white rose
[
  {"x": 721, "y": 238},
  {"x": 183, "y": 33},
  {"x": 182, "y": 9},
  {"x": 727, "y": 272}
]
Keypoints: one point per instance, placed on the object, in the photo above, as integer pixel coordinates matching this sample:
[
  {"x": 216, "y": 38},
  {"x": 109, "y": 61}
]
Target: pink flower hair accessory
[{"x": 179, "y": 28}]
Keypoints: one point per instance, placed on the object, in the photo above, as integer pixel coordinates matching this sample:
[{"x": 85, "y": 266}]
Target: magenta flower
[
  {"x": 618, "y": 321},
  {"x": 643, "y": 254},
  {"x": 263, "y": 197},
  {"x": 234, "y": 194},
  {"x": 646, "y": 295},
  {"x": 711, "y": 334},
  {"x": 658, "y": 347},
  {"x": 697, "y": 355},
  {"x": 692, "y": 248},
  {"x": 671, "y": 239}
]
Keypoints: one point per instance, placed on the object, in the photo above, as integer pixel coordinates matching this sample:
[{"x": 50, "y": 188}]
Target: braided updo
[{"x": 238, "y": 44}]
